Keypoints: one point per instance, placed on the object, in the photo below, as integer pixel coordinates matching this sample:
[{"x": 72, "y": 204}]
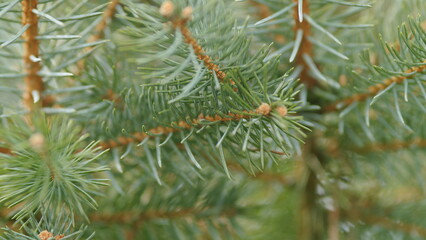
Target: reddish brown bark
[
  {"x": 305, "y": 46},
  {"x": 33, "y": 82}
]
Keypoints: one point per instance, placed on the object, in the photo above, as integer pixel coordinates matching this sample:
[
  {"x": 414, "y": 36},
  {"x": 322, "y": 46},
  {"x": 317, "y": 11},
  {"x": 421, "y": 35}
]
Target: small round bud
[
  {"x": 282, "y": 111},
  {"x": 264, "y": 109},
  {"x": 343, "y": 80},
  {"x": 187, "y": 13},
  {"x": 37, "y": 141},
  {"x": 58, "y": 237},
  {"x": 45, "y": 235},
  {"x": 167, "y": 9}
]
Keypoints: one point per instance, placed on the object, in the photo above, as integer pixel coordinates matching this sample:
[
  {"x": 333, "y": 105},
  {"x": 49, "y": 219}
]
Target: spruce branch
[
  {"x": 393, "y": 146},
  {"x": 180, "y": 22},
  {"x": 263, "y": 110},
  {"x": 99, "y": 30},
  {"x": 303, "y": 46},
  {"x": 107, "y": 16},
  {"x": 50, "y": 155},
  {"x": 395, "y": 225},
  {"x": 263, "y": 9},
  {"x": 33, "y": 95},
  {"x": 375, "y": 89},
  {"x": 47, "y": 227}
]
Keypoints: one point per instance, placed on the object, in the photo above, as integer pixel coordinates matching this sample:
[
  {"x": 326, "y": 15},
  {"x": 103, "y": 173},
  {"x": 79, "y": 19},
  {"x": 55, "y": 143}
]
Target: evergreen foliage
[{"x": 212, "y": 119}]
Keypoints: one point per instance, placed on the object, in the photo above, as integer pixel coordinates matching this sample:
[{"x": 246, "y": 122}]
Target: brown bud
[
  {"x": 167, "y": 9},
  {"x": 37, "y": 141},
  {"x": 187, "y": 13},
  {"x": 45, "y": 235},
  {"x": 282, "y": 111},
  {"x": 264, "y": 109}
]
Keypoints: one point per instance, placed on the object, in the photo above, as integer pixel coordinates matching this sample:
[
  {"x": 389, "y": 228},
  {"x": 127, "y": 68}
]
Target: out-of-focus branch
[{"x": 375, "y": 89}]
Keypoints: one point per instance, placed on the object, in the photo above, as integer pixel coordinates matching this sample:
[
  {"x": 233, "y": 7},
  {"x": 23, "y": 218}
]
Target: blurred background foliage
[{"x": 180, "y": 134}]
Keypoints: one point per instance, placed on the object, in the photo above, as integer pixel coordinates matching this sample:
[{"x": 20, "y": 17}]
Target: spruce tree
[{"x": 212, "y": 119}]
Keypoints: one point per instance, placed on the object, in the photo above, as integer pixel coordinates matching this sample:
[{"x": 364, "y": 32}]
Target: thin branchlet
[
  {"x": 264, "y": 109},
  {"x": 181, "y": 23},
  {"x": 108, "y": 14},
  {"x": 99, "y": 30},
  {"x": 375, "y": 89},
  {"x": 395, "y": 225},
  {"x": 306, "y": 47},
  {"x": 393, "y": 146},
  {"x": 33, "y": 82}
]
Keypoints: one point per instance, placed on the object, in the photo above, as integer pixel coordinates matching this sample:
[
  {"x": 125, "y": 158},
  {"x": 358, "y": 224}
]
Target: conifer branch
[
  {"x": 393, "y": 146},
  {"x": 33, "y": 82},
  {"x": 127, "y": 217},
  {"x": 108, "y": 14},
  {"x": 306, "y": 47},
  {"x": 264, "y": 109},
  {"x": 99, "y": 30},
  {"x": 375, "y": 89},
  {"x": 166, "y": 10},
  {"x": 393, "y": 225},
  {"x": 199, "y": 52},
  {"x": 264, "y": 12}
]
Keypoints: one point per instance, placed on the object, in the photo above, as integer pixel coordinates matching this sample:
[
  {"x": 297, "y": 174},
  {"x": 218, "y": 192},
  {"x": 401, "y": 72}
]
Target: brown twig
[
  {"x": 375, "y": 89},
  {"x": 180, "y": 21},
  {"x": 178, "y": 126},
  {"x": 199, "y": 52},
  {"x": 5, "y": 150},
  {"x": 99, "y": 30},
  {"x": 393, "y": 146},
  {"x": 108, "y": 14},
  {"x": 33, "y": 82},
  {"x": 306, "y": 47},
  {"x": 264, "y": 12},
  {"x": 264, "y": 109}
]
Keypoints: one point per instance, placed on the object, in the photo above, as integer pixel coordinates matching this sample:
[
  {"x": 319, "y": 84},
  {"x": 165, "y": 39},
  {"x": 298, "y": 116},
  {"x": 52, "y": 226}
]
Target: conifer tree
[{"x": 212, "y": 119}]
